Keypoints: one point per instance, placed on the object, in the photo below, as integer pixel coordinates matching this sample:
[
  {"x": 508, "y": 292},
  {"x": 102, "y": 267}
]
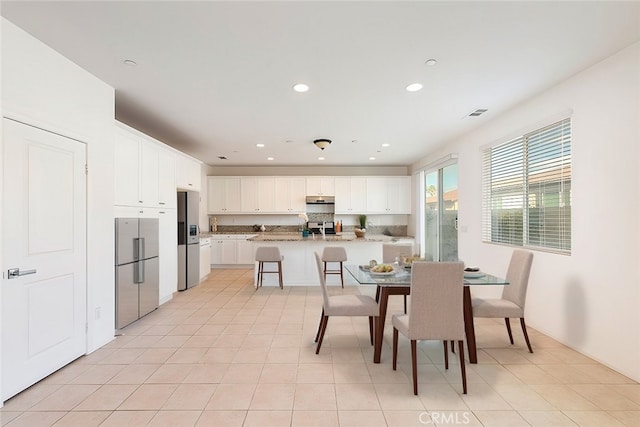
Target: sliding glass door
[{"x": 441, "y": 214}]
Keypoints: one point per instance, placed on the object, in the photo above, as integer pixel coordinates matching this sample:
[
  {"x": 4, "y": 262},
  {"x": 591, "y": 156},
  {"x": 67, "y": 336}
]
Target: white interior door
[{"x": 44, "y": 227}]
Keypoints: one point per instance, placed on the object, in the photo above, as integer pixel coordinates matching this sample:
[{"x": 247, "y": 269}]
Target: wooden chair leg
[
  {"x": 325, "y": 320},
  {"x": 463, "y": 369},
  {"x": 341, "y": 277},
  {"x": 371, "y": 329},
  {"x": 280, "y": 274},
  {"x": 414, "y": 365},
  {"x": 446, "y": 355},
  {"x": 259, "y": 279},
  {"x": 453, "y": 348},
  {"x": 395, "y": 349},
  {"x": 319, "y": 325},
  {"x": 405, "y": 304},
  {"x": 526, "y": 336},
  {"x": 508, "y": 323}
]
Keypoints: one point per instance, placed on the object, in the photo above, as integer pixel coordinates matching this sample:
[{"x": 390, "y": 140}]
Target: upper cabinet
[
  {"x": 321, "y": 186},
  {"x": 290, "y": 195},
  {"x": 258, "y": 195},
  {"x": 187, "y": 173},
  {"x": 144, "y": 172},
  {"x": 388, "y": 194},
  {"x": 351, "y": 195},
  {"x": 223, "y": 194}
]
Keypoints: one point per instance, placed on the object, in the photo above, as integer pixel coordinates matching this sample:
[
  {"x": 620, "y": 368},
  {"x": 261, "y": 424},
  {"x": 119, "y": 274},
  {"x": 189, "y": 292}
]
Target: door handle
[{"x": 15, "y": 272}]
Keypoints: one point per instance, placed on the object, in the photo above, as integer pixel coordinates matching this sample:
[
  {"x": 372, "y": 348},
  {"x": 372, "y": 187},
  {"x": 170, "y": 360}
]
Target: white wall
[
  {"x": 588, "y": 300},
  {"x": 42, "y": 88}
]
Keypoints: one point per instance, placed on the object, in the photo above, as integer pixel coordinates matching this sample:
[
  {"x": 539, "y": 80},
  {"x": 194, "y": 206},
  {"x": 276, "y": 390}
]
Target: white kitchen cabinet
[
  {"x": 290, "y": 195},
  {"x": 223, "y": 195},
  {"x": 168, "y": 244},
  {"x": 350, "y": 195},
  {"x": 126, "y": 169},
  {"x": 144, "y": 171},
  {"x": 166, "y": 179},
  {"x": 321, "y": 186},
  {"x": 244, "y": 252},
  {"x": 389, "y": 195},
  {"x": 205, "y": 257},
  {"x": 187, "y": 173},
  {"x": 257, "y": 195}
]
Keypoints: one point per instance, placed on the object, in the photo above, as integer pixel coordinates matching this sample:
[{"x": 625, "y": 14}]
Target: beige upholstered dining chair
[
  {"x": 342, "y": 305},
  {"x": 435, "y": 312},
  {"x": 514, "y": 295},
  {"x": 334, "y": 254},
  {"x": 391, "y": 251}
]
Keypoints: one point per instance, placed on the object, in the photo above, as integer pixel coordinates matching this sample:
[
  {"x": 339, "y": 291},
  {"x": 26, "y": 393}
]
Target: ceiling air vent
[
  {"x": 477, "y": 112},
  {"x": 222, "y": 157}
]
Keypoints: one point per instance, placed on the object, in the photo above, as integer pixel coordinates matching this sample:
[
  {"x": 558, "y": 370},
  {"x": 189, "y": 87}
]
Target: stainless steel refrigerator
[
  {"x": 137, "y": 269},
  {"x": 188, "y": 239}
]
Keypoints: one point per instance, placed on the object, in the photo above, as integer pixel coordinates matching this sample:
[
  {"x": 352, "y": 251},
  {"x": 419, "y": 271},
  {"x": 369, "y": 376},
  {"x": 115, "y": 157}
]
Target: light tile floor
[{"x": 223, "y": 354}]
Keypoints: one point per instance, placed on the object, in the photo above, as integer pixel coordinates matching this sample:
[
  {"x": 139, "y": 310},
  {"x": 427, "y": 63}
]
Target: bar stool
[
  {"x": 268, "y": 254},
  {"x": 334, "y": 254}
]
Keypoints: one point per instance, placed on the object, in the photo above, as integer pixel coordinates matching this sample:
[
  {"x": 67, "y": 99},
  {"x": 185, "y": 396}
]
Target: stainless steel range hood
[{"x": 321, "y": 200}]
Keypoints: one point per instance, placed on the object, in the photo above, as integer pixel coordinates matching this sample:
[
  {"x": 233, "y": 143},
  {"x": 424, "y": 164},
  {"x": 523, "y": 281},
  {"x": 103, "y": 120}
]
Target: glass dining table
[{"x": 399, "y": 283}]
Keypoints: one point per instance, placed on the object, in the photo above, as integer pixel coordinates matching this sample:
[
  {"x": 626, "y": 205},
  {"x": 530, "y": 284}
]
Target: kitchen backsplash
[{"x": 390, "y": 230}]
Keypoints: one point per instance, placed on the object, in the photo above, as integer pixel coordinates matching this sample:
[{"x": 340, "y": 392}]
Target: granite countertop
[{"x": 340, "y": 237}]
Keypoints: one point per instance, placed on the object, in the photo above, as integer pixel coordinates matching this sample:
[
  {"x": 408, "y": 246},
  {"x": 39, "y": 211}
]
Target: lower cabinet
[
  {"x": 230, "y": 249},
  {"x": 205, "y": 257}
]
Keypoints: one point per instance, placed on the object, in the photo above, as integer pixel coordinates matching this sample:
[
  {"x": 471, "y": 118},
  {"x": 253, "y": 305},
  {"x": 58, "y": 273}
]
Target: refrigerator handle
[
  {"x": 136, "y": 248},
  {"x": 141, "y": 248},
  {"x": 138, "y": 272}
]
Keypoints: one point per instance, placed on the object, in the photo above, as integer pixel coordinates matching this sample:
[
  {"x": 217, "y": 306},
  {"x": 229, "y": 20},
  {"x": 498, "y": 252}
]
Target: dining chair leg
[
  {"x": 446, "y": 355},
  {"x": 371, "y": 329},
  {"x": 508, "y": 323},
  {"x": 341, "y": 277},
  {"x": 280, "y": 274},
  {"x": 414, "y": 366},
  {"x": 259, "y": 279},
  {"x": 526, "y": 336},
  {"x": 325, "y": 320},
  {"x": 395, "y": 348},
  {"x": 463, "y": 369},
  {"x": 453, "y": 348},
  {"x": 405, "y": 304},
  {"x": 319, "y": 325}
]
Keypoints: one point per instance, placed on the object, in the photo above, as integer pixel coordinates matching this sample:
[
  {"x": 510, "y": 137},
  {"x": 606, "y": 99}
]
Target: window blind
[{"x": 526, "y": 190}]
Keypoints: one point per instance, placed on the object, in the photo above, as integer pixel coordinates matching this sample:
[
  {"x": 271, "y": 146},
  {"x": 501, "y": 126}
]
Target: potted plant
[
  {"x": 362, "y": 219},
  {"x": 305, "y": 228}
]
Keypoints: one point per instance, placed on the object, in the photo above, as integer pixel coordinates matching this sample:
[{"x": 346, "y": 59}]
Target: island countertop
[{"x": 340, "y": 237}]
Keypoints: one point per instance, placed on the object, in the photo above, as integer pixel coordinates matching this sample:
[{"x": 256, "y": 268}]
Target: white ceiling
[{"x": 215, "y": 78}]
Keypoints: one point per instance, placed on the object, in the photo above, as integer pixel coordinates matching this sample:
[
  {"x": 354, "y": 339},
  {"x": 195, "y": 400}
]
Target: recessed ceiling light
[
  {"x": 130, "y": 62},
  {"x": 300, "y": 87},
  {"x": 386, "y": 145},
  {"x": 259, "y": 145},
  {"x": 320, "y": 158},
  {"x": 414, "y": 87},
  {"x": 372, "y": 158},
  {"x": 269, "y": 158},
  {"x": 430, "y": 62}
]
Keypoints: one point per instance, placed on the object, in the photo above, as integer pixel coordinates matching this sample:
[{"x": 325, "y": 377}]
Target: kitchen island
[{"x": 298, "y": 265}]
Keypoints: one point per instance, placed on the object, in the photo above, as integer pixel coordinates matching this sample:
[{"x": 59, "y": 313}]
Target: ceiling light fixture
[
  {"x": 322, "y": 143},
  {"x": 430, "y": 62},
  {"x": 130, "y": 62},
  {"x": 414, "y": 87},
  {"x": 269, "y": 158},
  {"x": 259, "y": 145},
  {"x": 386, "y": 144},
  {"x": 320, "y": 158},
  {"x": 372, "y": 158},
  {"x": 300, "y": 87}
]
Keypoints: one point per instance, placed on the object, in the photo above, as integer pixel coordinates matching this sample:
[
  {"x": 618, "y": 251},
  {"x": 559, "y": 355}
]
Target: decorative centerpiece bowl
[{"x": 359, "y": 232}]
